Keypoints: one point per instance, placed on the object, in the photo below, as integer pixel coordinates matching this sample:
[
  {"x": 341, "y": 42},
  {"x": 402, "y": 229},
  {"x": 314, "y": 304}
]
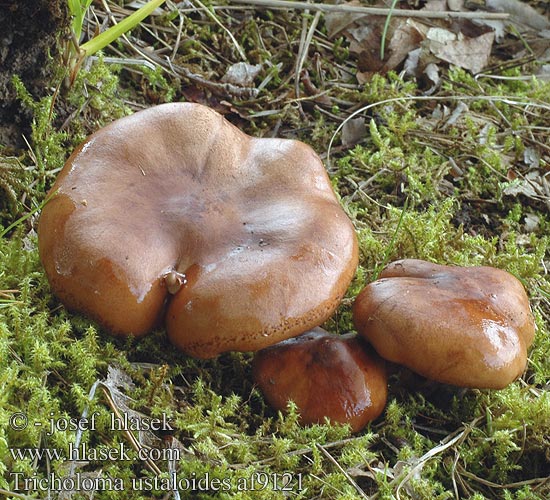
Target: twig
[
  {"x": 178, "y": 37},
  {"x": 15, "y": 495},
  {"x": 305, "y": 42},
  {"x": 133, "y": 441},
  {"x": 445, "y": 444},
  {"x": 341, "y": 469},
  {"x": 538, "y": 481},
  {"x": 374, "y": 11},
  {"x": 500, "y": 98},
  {"x": 300, "y": 452},
  {"x": 521, "y": 78},
  {"x": 78, "y": 437},
  {"x": 209, "y": 13},
  {"x": 182, "y": 71}
]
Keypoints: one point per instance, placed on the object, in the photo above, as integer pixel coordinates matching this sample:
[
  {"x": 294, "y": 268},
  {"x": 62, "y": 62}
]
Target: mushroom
[
  {"x": 331, "y": 376},
  {"x": 175, "y": 214},
  {"x": 466, "y": 326}
]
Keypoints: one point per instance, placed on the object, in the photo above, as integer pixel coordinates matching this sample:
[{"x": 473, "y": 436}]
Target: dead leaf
[
  {"x": 242, "y": 74},
  {"x": 441, "y": 35},
  {"x": 411, "y": 63},
  {"x": 336, "y": 22},
  {"x": 456, "y": 5},
  {"x": 420, "y": 45},
  {"x": 405, "y": 37},
  {"x": 432, "y": 72},
  {"x": 311, "y": 90},
  {"x": 531, "y": 223},
  {"x": 353, "y": 131},
  {"x": 544, "y": 72},
  {"x": 435, "y": 5},
  {"x": 402, "y": 37},
  {"x": 531, "y": 157},
  {"x": 460, "y": 109},
  {"x": 522, "y": 15},
  {"x": 424, "y": 66},
  {"x": 499, "y": 27},
  {"x": 530, "y": 186},
  {"x": 468, "y": 53}
]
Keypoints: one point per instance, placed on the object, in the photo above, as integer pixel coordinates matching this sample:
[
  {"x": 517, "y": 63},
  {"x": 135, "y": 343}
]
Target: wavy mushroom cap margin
[{"x": 174, "y": 215}]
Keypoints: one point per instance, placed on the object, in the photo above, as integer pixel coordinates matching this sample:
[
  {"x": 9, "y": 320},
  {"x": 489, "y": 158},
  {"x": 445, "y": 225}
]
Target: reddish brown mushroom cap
[
  {"x": 326, "y": 375},
  {"x": 467, "y": 326},
  {"x": 246, "y": 233}
]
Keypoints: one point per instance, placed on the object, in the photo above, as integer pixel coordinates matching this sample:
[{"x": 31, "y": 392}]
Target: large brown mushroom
[
  {"x": 239, "y": 242},
  {"x": 466, "y": 326},
  {"x": 327, "y": 376}
]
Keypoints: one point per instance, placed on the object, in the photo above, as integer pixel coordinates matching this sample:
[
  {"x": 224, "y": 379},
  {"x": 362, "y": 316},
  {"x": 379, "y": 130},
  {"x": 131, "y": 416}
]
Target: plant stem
[{"x": 110, "y": 35}]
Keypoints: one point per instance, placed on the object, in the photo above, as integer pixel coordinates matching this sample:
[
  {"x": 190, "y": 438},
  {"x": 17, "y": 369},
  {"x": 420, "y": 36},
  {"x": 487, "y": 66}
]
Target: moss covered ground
[{"x": 470, "y": 191}]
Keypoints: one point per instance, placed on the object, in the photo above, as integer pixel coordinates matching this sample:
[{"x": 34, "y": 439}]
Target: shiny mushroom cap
[
  {"x": 327, "y": 376},
  {"x": 173, "y": 213},
  {"x": 466, "y": 326}
]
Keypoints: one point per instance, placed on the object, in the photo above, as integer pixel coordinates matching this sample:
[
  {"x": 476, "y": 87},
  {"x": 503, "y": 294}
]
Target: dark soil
[{"x": 29, "y": 31}]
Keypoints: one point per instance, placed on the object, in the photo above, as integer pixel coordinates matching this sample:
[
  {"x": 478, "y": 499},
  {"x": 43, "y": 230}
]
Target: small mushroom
[
  {"x": 337, "y": 377},
  {"x": 235, "y": 242},
  {"x": 466, "y": 326}
]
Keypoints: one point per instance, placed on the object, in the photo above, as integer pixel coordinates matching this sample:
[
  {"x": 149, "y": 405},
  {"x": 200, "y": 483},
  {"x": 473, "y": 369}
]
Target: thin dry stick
[
  {"x": 341, "y": 469},
  {"x": 503, "y": 99},
  {"x": 374, "y": 11},
  {"x": 182, "y": 71},
  {"x": 178, "y": 38},
  {"x": 297, "y": 68},
  {"x": 445, "y": 444},
  {"x": 15, "y": 495},
  {"x": 524, "y": 78},
  {"x": 302, "y": 451},
  {"x": 453, "y": 475},
  {"x": 528, "y": 482},
  {"x": 111, "y": 16},
  {"x": 305, "y": 42},
  {"x": 219, "y": 23},
  {"x": 133, "y": 441}
]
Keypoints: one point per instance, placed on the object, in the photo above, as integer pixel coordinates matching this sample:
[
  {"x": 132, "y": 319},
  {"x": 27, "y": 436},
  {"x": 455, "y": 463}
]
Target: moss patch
[{"x": 416, "y": 185}]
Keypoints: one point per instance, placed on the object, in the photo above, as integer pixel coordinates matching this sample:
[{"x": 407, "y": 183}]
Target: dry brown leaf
[
  {"x": 405, "y": 37},
  {"x": 422, "y": 44},
  {"x": 456, "y": 5},
  {"x": 353, "y": 131},
  {"x": 336, "y": 22},
  {"x": 242, "y": 74},
  {"x": 522, "y": 15},
  {"x": 468, "y": 53},
  {"x": 531, "y": 186},
  {"x": 402, "y": 37},
  {"x": 435, "y": 5}
]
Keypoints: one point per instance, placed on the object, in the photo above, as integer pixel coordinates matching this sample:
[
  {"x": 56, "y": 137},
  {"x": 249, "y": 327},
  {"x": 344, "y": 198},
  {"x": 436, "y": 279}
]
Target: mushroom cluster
[
  {"x": 465, "y": 326},
  {"x": 173, "y": 215}
]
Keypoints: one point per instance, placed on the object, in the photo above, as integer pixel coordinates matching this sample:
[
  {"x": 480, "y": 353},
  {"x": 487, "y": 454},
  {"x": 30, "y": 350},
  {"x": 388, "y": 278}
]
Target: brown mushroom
[
  {"x": 242, "y": 240},
  {"x": 466, "y": 326},
  {"x": 338, "y": 377}
]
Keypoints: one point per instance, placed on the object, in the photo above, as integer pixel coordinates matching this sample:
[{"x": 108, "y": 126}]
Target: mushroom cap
[
  {"x": 174, "y": 212},
  {"x": 466, "y": 326},
  {"x": 338, "y": 377}
]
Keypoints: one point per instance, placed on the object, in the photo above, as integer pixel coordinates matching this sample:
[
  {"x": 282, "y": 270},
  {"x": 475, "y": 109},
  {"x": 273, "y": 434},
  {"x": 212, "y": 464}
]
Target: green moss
[{"x": 412, "y": 188}]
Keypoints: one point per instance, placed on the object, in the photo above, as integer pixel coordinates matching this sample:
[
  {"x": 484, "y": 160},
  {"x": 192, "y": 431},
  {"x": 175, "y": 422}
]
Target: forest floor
[{"x": 442, "y": 155}]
